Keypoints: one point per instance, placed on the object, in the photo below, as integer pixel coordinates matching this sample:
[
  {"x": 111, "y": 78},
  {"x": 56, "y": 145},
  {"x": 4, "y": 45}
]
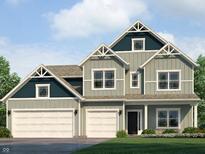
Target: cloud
[
  {"x": 92, "y": 17},
  {"x": 167, "y": 36},
  {"x": 24, "y": 58},
  {"x": 193, "y": 46},
  {"x": 187, "y": 8}
]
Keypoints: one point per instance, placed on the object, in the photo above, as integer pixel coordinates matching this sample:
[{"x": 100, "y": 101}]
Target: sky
[{"x": 34, "y": 32}]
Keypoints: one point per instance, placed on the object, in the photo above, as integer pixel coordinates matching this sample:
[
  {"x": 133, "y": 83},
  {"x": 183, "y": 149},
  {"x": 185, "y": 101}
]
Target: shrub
[
  {"x": 149, "y": 131},
  {"x": 202, "y": 126},
  {"x": 169, "y": 131},
  {"x": 121, "y": 134},
  {"x": 4, "y": 132},
  {"x": 190, "y": 130},
  {"x": 2, "y": 116}
]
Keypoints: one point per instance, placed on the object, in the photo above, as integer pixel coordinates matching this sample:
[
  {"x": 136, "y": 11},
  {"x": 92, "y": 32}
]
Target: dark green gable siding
[
  {"x": 125, "y": 44},
  {"x": 29, "y": 90}
]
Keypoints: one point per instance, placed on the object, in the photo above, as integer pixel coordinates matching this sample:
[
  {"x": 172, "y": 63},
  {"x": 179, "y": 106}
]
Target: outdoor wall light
[
  {"x": 120, "y": 112},
  {"x": 9, "y": 112},
  {"x": 75, "y": 112}
]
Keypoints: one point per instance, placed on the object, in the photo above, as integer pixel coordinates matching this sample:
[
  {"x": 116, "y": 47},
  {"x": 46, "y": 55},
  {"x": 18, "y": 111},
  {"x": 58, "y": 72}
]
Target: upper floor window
[
  {"x": 168, "y": 80},
  {"x": 103, "y": 79},
  {"x": 138, "y": 44},
  {"x": 134, "y": 80},
  {"x": 168, "y": 118},
  {"x": 42, "y": 90}
]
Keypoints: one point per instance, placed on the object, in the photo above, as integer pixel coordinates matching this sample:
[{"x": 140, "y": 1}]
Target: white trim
[
  {"x": 138, "y": 81},
  {"x": 145, "y": 116},
  {"x": 146, "y": 51},
  {"x": 168, "y": 53},
  {"x": 47, "y": 109},
  {"x": 103, "y": 70},
  {"x": 83, "y": 80},
  {"x": 195, "y": 116},
  {"x": 138, "y": 111},
  {"x": 50, "y": 98},
  {"x": 124, "y": 86},
  {"x": 193, "y": 79},
  {"x": 168, "y": 110},
  {"x": 138, "y": 39},
  {"x": 103, "y": 46},
  {"x": 144, "y": 80},
  {"x": 167, "y": 71},
  {"x": 7, "y": 119},
  {"x": 72, "y": 76},
  {"x": 157, "y": 36},
  {"x": 181, "y": 81},
  {"x": 123, "y": 115},
  {"x": 79, "y": 118},
  {"x": 37, "y": 90}
]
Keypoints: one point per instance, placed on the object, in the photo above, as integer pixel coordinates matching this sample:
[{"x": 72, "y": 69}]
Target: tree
[
  {"x": 199, "y": 88},
  {"x": 7, "y": 80}
]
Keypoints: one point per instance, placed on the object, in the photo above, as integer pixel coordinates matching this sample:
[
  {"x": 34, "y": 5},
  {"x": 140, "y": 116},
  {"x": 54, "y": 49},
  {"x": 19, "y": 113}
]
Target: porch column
[
  {"x": 123, "y": 116},
  {"x": 145, "y": 117},
  {"x": 195, "y": 116}
]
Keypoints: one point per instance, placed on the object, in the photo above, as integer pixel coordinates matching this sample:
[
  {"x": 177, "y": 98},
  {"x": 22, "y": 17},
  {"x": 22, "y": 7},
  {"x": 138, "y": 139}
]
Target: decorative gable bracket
[
  {"x": 41, "y": 72},
  {"x": 138, "y": 27}
]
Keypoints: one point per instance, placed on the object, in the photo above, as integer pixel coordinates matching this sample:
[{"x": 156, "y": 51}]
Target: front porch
[{"x": 158, "y": 116}]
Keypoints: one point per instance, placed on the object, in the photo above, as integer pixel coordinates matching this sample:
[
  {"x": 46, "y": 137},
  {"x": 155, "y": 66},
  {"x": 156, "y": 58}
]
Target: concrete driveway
[{"x": 45, "y": 146}]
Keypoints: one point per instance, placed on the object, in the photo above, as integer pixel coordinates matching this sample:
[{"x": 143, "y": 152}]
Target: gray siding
[
  {"x": 186, "y": 115},
  {"x": 168, "y": 64},
  {"x": 99, "y": 105},
  {"x": 135, "y": 59},
  {"x": 103, "y": 63},
  {"x": 43, "y": 104}
]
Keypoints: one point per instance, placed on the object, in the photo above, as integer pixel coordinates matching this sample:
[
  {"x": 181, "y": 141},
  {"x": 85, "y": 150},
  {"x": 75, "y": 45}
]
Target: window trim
[
  {"x": 138, "y": 74},
  {"x": 168, "y": 71},
  {"x": 168, "y": 110},
  {"x": 37, "y": 90},
  {"x": 103, "y": 69},
  {"x": 138, "y": 39}
]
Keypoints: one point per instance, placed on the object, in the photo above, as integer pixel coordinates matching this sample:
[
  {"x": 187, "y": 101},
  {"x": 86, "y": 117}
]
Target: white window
[
  {"x": 134, "y": 79},
  {"x": 103, "y": 79},
  {"x": 138, "y": 44},
  {"x": 168, "y": 80},
  {"x": 168, "y": 118},
  {"x": 42, "y": 90}
]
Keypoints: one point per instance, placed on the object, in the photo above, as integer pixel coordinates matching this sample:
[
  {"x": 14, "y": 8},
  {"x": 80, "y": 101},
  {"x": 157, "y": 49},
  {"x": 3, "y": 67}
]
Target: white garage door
[
  {"x": 101, "y": 124},
  {"x": 42, "y": 123}
]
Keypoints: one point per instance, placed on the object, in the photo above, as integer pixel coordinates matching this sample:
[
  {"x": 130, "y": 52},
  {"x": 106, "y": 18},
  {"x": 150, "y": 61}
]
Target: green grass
[{"x": 148, "y": 146}]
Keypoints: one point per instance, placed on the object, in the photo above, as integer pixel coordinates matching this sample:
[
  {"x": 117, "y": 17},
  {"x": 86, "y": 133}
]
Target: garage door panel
[
  {"x": 42, "y": 123},
  {"x": 101, "y": 124}
]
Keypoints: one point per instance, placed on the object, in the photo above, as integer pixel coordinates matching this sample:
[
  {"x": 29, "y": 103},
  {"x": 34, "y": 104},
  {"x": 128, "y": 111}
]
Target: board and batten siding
[
  {"x": 43, "y": 104},
  {"x": 135, "y": 59},
  {"x": 103, "y": 64},
  {"x": 186, "y": 119},
  {"x": 99, "y": 105},
  {"x": 168, "y": 64}
]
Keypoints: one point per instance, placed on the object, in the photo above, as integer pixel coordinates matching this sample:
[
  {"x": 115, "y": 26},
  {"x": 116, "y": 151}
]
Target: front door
[{"x": 132, "y": 122}]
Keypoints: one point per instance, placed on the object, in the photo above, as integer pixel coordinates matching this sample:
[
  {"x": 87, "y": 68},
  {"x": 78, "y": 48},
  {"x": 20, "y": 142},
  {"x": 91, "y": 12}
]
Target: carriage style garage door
[
  {"x": 101, "y": 123},
  {"x": 41, "y": 123}
]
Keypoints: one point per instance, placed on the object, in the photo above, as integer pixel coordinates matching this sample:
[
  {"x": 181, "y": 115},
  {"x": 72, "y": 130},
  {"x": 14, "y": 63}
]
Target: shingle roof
[{"x": 65, "y": 70}]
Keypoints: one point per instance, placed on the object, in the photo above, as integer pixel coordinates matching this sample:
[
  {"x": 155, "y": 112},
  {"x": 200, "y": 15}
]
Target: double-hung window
[
  {"x": 134, "y": 80},
  {"x": 103, "y": 79},
  {"x": 42, "y": 90},
  {"x": 168, "y": 80},
  {"x": 168, "y": 118}
]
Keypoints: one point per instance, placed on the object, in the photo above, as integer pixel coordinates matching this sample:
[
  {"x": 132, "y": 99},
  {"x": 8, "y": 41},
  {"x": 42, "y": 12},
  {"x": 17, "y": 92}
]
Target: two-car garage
[{"x": 43, "y": 123}]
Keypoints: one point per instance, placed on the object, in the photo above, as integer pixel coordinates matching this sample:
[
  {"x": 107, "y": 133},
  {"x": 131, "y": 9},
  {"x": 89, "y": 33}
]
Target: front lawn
[{"x": 148, "y": 146}]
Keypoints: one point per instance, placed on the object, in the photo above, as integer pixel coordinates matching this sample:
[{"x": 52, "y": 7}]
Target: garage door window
[{"x": 42, "y": 90}]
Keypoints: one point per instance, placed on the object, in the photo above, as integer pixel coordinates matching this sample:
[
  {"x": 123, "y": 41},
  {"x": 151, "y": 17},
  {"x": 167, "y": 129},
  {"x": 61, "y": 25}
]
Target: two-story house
[{"x": 138, "y": 82}]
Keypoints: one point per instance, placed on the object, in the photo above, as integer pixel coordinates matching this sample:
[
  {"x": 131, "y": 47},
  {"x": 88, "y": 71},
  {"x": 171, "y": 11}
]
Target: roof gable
[
  {"x": 41, "y": 72},
  {"x": 137, "y": 27},
  {"x": 169, "y": 50},
  {"x": 104, "y": 51}
]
